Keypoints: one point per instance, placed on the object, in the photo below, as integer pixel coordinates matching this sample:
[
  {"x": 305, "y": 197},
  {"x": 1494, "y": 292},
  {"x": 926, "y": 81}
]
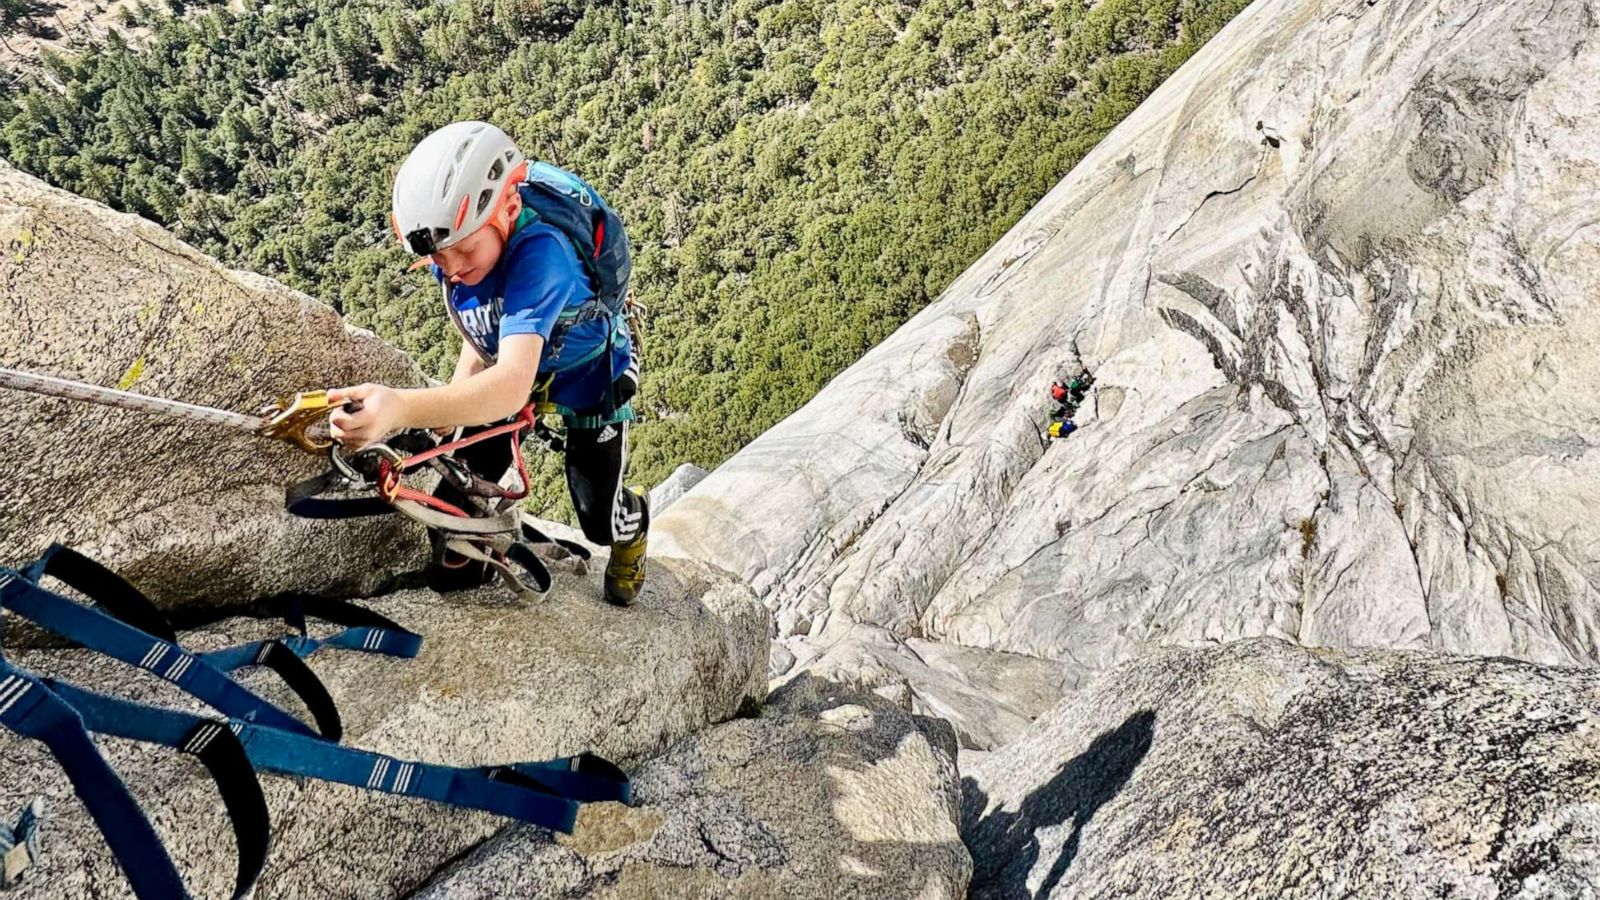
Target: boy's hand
[{"x": 382, "y": 413}]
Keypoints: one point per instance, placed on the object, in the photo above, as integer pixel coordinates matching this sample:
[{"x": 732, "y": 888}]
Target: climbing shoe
[{"x": 625, "y": 571}]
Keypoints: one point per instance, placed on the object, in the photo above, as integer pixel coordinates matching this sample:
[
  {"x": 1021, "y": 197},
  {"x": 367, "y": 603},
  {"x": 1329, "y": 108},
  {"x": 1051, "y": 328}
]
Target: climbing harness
[
  {"x": 490, "y": 530},
  {"x": 255, "y": 734},
  {"x": 300, "y": 420}
]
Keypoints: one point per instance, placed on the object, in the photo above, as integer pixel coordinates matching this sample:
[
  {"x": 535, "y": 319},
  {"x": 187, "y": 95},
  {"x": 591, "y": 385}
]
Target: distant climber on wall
[
  {"x": 1068, "y": 395},
  {"x": 1073, "y": 389},
  {"x": 534, "y": 267}
]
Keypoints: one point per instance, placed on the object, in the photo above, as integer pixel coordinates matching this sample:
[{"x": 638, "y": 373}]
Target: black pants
[{"x": 608, "y": 512}]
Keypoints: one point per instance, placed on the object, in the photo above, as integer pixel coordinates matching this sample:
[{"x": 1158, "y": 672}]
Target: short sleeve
[{"x": 542, "y": 278}]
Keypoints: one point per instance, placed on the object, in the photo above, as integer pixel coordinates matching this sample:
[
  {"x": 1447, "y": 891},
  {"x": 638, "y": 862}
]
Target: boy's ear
[{"x": 511, "y": 206}]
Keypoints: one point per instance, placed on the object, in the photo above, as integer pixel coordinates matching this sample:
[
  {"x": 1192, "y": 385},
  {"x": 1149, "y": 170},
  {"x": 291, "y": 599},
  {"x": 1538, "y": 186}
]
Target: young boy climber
[{"x": 515, "y": 288}]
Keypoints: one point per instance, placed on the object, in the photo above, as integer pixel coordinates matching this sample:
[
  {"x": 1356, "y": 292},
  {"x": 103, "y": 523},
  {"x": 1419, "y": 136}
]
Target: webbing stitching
[
  {"x": 179, "y": 667},
  {"x": 153, "y": 656},
  {"x": 202, "y": 739},
  {"x": 12, "y": 691}
]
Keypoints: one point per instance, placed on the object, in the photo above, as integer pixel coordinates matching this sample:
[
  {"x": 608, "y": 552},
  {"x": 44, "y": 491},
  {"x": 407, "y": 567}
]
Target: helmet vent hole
[
  {"x": 461, "y": 151},
  {"x": 484, "y": 197},
  {"x": 496, "y": 170},
  {"x": 448, "y": 178}
]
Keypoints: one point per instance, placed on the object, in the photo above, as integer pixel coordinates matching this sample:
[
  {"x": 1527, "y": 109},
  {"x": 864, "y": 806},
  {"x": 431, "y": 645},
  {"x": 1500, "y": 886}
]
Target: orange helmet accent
[{"x": 461, "y": 212}]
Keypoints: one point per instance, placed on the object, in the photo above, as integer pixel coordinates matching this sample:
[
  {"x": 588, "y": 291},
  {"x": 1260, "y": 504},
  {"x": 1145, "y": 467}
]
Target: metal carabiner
[{"x": 351, "y": 468}]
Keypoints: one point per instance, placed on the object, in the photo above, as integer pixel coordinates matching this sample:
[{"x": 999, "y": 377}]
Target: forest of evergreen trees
[{"x": 798, "y": 176}]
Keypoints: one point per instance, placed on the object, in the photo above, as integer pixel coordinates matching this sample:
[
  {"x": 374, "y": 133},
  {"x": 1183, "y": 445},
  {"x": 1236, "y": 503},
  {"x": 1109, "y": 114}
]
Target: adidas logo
[{"x": 606, "y": 435}]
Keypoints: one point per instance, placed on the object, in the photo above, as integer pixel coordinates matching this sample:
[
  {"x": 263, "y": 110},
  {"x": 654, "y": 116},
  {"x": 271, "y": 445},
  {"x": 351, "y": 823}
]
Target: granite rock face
[
  {"x": 830, "y": 793},
  {"x": 1262, "y": 769},
  {"x": 195, "y": 513},
  {"x": 680, "y": 482},
  {"x": 496, "y": 682},
  {"x": 988, "y": 697},
  {"x": 1338, "y": 281}
]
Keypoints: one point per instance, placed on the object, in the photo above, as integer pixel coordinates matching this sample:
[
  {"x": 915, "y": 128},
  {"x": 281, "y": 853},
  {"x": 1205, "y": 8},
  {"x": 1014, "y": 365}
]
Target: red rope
[{"x": 391, "y": 488}]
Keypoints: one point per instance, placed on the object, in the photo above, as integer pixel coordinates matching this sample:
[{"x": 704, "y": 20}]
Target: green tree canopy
[{"x": 798, "y": 176}]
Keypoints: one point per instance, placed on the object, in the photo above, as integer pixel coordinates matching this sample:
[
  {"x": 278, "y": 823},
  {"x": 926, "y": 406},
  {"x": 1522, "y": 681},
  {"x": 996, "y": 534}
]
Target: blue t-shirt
[{"x": 537, "y": 277}]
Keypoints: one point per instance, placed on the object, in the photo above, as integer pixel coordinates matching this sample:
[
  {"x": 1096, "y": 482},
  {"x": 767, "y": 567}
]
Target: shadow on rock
[{"x": 1006, "y": 846}]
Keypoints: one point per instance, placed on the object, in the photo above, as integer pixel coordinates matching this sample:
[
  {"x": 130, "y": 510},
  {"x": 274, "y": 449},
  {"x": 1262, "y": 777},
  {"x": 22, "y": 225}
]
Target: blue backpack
[{"x": 571, "y": 205}]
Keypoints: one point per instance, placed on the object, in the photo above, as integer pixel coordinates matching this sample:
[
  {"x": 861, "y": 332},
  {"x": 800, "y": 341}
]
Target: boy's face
[
  {"x": 468, "y": 261},
  {"x": 472, "y": 258}
]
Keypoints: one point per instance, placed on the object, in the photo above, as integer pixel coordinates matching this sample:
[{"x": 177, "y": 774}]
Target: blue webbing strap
[
  {"x": 29, "y": 709},
  {"x": 503, "y": 790},
  {"x": 585, "y": 778},
  {"x": 366, "y": 631},
  {"x": 208, "y": 740},
  {"x": 287, "y": 754},
  {"x": 540, "y": 793},
  {"x": 118, "y": 598},
  {"x": 103, "y": 633},
  {"x": 111, "y": 593},
  {"x": 35, "y": 708}
]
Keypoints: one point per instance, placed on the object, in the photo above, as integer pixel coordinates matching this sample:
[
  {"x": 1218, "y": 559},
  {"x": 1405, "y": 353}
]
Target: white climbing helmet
[{"x": 449, "y": 185}]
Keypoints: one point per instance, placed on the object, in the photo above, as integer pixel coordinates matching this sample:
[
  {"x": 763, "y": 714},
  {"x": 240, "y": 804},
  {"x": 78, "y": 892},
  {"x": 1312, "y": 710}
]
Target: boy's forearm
[
  {"x": 493, "y": 394},
  {"x": 484, "y": 394}
]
